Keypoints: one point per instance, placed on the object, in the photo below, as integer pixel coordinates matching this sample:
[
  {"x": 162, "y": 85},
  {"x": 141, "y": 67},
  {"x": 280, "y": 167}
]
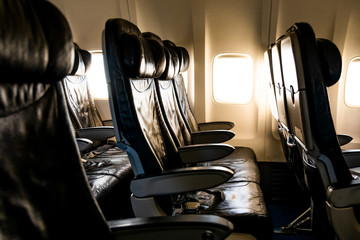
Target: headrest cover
[
  {"x": 330, "y": 60},
  {"x": 157, "y": 49},
  {"x": 183, "y": 54},
  {"x": 35, "y": 42},
  {"x": 137, "y": 58},
  {"x": 82, "y": 61}
]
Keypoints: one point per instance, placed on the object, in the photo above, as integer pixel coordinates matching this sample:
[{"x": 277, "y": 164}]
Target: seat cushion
[
  {"x": 109, "y": 175},
  {"x": 245, "y": 207},
  {"x": 243, "y": 162}
]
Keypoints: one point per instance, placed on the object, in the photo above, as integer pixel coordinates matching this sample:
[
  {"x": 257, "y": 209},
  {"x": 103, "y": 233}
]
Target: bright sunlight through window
[
  {"x": 352, "y": 87},
  {"x": 233, "y": 78},
  {"x": 96, "y": 76}
]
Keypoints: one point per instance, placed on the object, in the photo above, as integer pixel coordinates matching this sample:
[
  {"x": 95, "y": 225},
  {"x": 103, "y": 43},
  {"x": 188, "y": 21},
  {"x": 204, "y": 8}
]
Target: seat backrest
[
  {"x": 82, "y": 109},
  {"x": 132, "y": 63},
  {"x": 184, "y": 61},
  {"x": 290, "y": 150},
  {"x": 270, "y": 82},
  {"x": 309, "y": 66},
  {"x": 44, "y": 193},
  {"x": 279, "y": 87},
  {"x": 167, "y": 96}
]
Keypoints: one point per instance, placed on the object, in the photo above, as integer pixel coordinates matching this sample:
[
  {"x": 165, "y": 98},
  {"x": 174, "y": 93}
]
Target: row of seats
[
  {"x": 302, "y": 67},
  {"x": 44, "y": 190},
  {"x": 178, "y": 169}
]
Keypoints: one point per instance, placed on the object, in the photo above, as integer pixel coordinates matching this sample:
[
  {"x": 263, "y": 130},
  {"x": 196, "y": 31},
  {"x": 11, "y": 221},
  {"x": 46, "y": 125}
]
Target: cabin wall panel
[{"x": 347, "y": 117}]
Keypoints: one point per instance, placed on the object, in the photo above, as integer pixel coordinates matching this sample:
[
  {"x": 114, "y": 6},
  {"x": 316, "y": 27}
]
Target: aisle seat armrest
[
  {"x": 211, "y": 136},
  {"x": 204, "y": 152},
  {"x": 180, "y": 180},
  {"x": 84, "y": 144},
  {"x": 96, "y": 133},
  {"x": 108, "y": 122},
  {"x": 190, "y": 227},
  {"x": 352, "y": 157},
  {"x": 343, "y": 197},
  {"x": 218, "y": 125}
]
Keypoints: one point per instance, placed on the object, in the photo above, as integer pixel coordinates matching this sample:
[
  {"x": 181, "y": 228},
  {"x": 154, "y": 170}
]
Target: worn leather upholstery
[
  {"x": 132, "y": 73},
  {"x": 39, "y": 163},
  {"x": 107, "y": 167},
  {"x": 83, "y": 112}
]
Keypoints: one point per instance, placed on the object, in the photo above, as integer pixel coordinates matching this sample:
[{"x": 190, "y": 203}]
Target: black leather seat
[
  {"x": 169, "y": 102},
  {"x": 183, "y": 98},
  {"x": 44, "y": 193},
  {"x": 309, "y": 66},
  {"x": 242, "y": 160},
  {"x": 83, "y": 112},
  {"x": 107, "y": 167},
  {"x": 132, "y": 63}
]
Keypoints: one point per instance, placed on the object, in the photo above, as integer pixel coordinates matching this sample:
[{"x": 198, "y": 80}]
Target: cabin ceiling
[{"x": 179, "y": 20}]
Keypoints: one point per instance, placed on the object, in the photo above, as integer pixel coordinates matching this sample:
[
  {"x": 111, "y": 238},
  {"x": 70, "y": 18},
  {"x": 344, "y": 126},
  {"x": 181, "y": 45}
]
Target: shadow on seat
[{"x": 44, "y": 193}]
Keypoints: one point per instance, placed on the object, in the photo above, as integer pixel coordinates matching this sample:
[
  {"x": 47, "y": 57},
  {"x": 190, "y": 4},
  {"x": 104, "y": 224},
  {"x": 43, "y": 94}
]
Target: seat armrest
[
  {"x": 219, "y": 125},
  {"x": 180, "y": 181},
  {"x": 108, "y": 122},
  {"x": 84, "y": 144},
  {"x": 96, "y": 133},
  {"x": 352, "y": 157},
  {"x": 211, "y": 136},
  {"x": 344, "y": 139},
  {"x": 190, "y": 227},
  {"x": 204, "y": 152},
  {"x": 344, "y": 196}
]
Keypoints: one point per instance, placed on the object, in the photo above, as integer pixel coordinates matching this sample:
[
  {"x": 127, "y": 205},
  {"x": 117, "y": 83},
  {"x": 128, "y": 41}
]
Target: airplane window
[
  {"x": 233, "y": 78},
  {"x": 96, "y": 76},
  {"x": 352, "y": 87}
]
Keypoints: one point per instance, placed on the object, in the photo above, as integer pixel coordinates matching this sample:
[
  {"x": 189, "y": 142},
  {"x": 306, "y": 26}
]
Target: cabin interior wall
[{"x": 348, "y": 117}]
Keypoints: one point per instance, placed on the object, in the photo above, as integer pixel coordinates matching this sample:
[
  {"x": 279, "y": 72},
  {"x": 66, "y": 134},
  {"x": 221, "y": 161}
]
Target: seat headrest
[
  {"x": 172, "y": 64},
  {"x": 183, "y": 54},
  {"x": 82, "y": 61},
  {"x": 158, "y": 52},
  {"x": 330, "y": 60},
  {"x": 35, "y": 43},
  {"x": 126, "y": 40}
]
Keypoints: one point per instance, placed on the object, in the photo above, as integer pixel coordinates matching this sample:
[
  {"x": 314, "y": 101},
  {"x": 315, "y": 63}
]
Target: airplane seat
[
  {"x": 242, "y": 161},
  {"x": 183, "y": 100},
  {"x": 311, "y": 65},
  {"x": 173, "y": 116},
  {"x": 141, "y": 130},
  {"x": 290, "y": 150},
  {"x": 83, "y": 112},
  {"x": 44, "y": 193},
  {"x": 107, "y": 167}
]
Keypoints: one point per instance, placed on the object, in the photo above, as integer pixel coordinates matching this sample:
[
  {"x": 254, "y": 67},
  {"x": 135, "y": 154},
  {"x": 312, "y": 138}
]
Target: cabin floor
[{"x": 285, "y": 199}]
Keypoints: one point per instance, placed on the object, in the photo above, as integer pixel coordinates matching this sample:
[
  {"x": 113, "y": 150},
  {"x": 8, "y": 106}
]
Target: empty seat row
[
  {"x": 149, "y": 125},
  {"x": 44, "y": 191},
  {"x": 303, "y": 66}
]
